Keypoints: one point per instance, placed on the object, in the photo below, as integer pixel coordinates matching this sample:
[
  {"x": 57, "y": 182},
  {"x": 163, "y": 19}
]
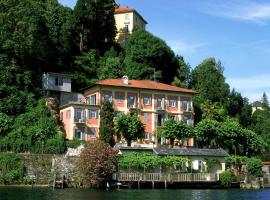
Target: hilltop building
[
  {"x": 256, "y": 105},
  {"x": 127, "y": 19}
]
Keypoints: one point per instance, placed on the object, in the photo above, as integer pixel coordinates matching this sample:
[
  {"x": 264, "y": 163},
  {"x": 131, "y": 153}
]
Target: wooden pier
[{"x": 166, "y": 178}]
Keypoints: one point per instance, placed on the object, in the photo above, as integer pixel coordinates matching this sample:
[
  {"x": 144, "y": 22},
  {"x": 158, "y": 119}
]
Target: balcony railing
[{"x": 80, "y": 120}]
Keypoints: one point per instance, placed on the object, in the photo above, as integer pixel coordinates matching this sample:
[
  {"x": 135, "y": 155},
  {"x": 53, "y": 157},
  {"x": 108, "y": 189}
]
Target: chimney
[{"x": 125, "y": 80}]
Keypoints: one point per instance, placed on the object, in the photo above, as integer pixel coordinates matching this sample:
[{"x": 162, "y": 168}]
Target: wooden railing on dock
[{"x": 179, "y": 177}]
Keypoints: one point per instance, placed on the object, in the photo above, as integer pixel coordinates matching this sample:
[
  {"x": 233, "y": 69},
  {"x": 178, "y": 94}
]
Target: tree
[
  {"x": 245, "y": 118},
  {"x": 24, "y": 34},
  {"x": 5, "y": 124},
  {"x": 235, "y": 104},
  {"x": 265, "y": 102},
  {"x": 96, "y": 164},
  {"x": 85, "y": 69},
  {"x": 182, "y": 78},
  {"x": 32, "y": 130},
  {"x": 62, "y": 35},
  {"x": 130, "y": 126},
  {"x": 95, "y": 24},
  {"x": 172, "y": 129},
  {"x": 208, "y": 80},
  {"x": 106, "y": 128},
  {"x": 213, "y": 111},
  {"x": 15, "y": 97},
  {"x": 111, "y": 65},
  {"x": 146, "y": 55},
  {"x": 207, "y": 133}
]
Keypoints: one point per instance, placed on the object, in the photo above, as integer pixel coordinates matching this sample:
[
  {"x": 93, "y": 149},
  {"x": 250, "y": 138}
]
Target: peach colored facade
[{"x": 153, "y": 106}]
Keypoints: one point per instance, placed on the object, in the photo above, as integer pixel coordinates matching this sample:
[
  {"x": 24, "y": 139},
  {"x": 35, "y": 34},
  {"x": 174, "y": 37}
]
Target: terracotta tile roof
[
  {"x": 266, "y": 163},
  {"x": 123, "y": 9},
  {"x": 143, "y": 84}
]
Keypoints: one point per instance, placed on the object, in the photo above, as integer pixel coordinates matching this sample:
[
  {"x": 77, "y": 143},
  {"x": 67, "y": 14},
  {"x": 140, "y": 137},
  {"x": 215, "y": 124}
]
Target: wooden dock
[{"x": 166, "y": 178}]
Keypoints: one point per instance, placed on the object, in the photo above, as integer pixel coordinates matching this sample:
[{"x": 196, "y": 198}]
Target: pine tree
[
  {"x": 106, "y": 129},
  {"x": 265, "y": 102}
]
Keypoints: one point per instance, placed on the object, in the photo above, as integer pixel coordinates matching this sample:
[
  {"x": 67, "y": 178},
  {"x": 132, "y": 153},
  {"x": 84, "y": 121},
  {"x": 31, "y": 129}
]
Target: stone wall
[{"x": 38, "y": 167}]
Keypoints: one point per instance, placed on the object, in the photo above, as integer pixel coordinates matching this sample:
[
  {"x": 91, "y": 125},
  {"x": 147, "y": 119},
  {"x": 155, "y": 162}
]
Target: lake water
[{"x": 10, "y": 193}]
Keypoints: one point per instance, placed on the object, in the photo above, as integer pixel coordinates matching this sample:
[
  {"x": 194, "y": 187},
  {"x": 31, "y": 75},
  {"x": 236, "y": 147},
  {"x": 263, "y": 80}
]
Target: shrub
[
  {"x": 226, "y": 178},
  {"x": 96, "y": 164},
  {"x": 254, "y": 167},
  {"x": 11, "y": 169},
  {"x": 75, "y": 143}
]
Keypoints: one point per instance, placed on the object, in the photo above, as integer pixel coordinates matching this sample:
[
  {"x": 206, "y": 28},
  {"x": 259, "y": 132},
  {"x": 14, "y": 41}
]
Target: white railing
[{"x": 179, "y": 177}]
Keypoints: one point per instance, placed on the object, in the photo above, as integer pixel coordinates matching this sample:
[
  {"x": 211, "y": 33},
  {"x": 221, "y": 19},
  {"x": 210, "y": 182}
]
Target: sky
[{"x": 236, "y": 32}]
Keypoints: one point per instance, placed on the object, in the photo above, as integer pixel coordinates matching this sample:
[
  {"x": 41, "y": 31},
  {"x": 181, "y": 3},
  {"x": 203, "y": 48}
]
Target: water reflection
[{"x": 9, "y": 193}]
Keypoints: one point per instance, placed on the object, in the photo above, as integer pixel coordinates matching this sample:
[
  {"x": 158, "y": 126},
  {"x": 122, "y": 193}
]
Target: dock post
[
  {"x": 139, "y": 187},
  {"x": 153, "y": 184},
  {"x": 165, "y": 184}
]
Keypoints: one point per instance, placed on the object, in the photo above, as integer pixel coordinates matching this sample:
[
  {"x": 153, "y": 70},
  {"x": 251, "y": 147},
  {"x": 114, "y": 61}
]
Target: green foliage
[
  {"x": 75, "y": 143},
  {"x": 226, "y": 178},
  {"x": 35, "y": 131},
  {"x": 86, "y": 66},
  {"x": 235, "y": 103},
  {"x": 106, "y": 129},
  {"x": 111, "y": 65},
  {"x": 148, "y": 161},
  {"x": 172, "y": 129},
  {"x": 11, "y": 169},
  {"x": 207, "y": 132},
  {"x": 265, "y": 102},
  {"x": 213, "y": 111},
  {"x": 207, "y": 79},
  {"x": 146, "y": 53},
  {"x": 130, "y": 126},
  {"x": 95, "y": 24},
  {"x": 182, "y": 78},
  {"x": 254, "y": 167},
  {"x": 14, "y": 98},
  {"x": 5, "y": 124},
  {"x": 96, "y": 164}
]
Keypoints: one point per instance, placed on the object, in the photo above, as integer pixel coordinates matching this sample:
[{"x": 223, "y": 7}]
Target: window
[
  {"x": 107, "y": 97},
  {"x": 68, "y": 114},
  {"x": 147, "y": 136},
  {"x": 80, "y": 133},
  {"x": 59, "y": 81},
  {"x": 145, "y": 117},
  {"x": 119, "y": 98},
  {"x": 172, "y": 103},
  {"x": 92, "y": 99},
  {"x": 186, "y": 105},
  {"x": 187, "y": 119},
  {"x": 126, "y": 29},
  {"x": 131, "y": 101},
  {"x": 147, "y": 100},
  {"x": 93, "y": 114},
  {"x": 92, "y": 133},
  {"x": 79, "y": 114},
  {"x": 127, "y": 16},
  {"x": 160, "y": 102},
  {"x": 61, "y": 116}
]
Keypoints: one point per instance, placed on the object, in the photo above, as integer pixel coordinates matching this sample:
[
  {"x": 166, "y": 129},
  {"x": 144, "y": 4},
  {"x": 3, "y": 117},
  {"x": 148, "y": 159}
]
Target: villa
[{"x": 153, "y": 102}]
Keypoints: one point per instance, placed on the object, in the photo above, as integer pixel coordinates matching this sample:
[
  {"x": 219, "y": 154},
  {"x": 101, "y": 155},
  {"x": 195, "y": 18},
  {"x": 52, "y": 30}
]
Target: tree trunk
[
  {"x": 128, "y": 143},
  {"x": 171, "y": 142},
  {"x": 81, "y": 40}
]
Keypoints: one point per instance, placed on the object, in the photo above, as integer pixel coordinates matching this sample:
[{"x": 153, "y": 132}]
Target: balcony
[
  {"x": 79, "y": 120},
  {"x": 161, "y": 107}
]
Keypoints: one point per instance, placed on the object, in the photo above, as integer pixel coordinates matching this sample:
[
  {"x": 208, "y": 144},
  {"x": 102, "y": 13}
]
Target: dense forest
[{"x": 39, "y": 36}]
